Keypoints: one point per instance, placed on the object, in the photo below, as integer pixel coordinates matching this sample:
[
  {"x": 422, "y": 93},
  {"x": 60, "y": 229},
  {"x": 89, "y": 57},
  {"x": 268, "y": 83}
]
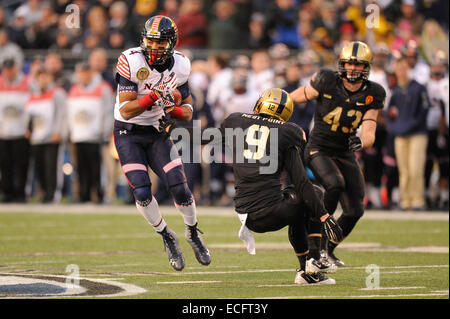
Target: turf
[{"x": 125, "y": 248}]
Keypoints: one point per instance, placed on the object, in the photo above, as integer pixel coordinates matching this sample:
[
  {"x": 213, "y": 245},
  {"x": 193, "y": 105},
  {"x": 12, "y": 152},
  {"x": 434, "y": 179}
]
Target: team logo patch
[
  {"x": 142, "y": 74},
  {"x": 369, "y": 99}
]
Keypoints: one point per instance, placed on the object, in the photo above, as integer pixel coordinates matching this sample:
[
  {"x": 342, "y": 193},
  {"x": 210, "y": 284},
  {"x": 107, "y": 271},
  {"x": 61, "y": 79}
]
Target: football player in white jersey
[{"x": 145, "y": 110}]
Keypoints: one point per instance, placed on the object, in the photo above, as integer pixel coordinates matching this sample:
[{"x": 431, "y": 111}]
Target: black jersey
[
  {"x": 258, "y": 157},
  {"x": 339, "y": 112}
]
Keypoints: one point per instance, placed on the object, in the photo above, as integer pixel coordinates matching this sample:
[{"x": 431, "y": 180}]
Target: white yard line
[
  {"x": 355, "y": 296},
  {"x": 390, "y": 288},
  {"x": 188, "y": 282}
]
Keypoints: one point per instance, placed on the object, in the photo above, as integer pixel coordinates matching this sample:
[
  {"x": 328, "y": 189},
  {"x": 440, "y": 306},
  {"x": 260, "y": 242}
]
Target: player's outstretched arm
[{"x": 304, "y": 94}]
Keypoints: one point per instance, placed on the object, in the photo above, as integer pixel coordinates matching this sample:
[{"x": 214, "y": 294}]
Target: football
[{"x": 177, "y": 97}]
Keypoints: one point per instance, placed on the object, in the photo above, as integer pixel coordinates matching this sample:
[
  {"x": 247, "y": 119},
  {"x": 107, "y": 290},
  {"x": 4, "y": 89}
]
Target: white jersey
[
  {"x": 89, "y": 111},
  {"x": 133, "y": 66},
  {"x": 13, "y": 97},
  {"x": 437, "y": 92}
]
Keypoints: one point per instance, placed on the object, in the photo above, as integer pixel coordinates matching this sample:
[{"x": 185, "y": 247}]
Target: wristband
[
  {"x": 189, "y": 106},
  {"x": 148, "y": 100},
  {"x": 177, "y": 112}
]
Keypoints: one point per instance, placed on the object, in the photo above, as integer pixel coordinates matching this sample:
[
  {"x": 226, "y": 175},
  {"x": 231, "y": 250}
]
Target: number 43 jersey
[
  {"x": 259, "y": 146},
  {"x": 339, "y": 112}
]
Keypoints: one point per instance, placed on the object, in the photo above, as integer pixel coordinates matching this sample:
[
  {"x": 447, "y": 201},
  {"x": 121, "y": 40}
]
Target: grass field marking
[
  {"x": 354, "y": 296},
  {"x": 188, "y": 273},
  {"x": 402, "y": 272},
  {"x": 391, "y": 288},
  {"x": 128, "y": 289},
  {"x": 188, "y": 282}
]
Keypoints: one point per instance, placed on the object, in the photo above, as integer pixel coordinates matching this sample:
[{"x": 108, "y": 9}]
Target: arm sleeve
[
  {"x": 61, "y": 126},
  {"x": 303, "y": 186},
  {"x": 185, "y": 91},
  {"x": 125, "y": 85}
]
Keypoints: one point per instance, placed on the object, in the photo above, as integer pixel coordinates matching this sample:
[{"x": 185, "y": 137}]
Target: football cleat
[
  {"x": 195, "y": 240},
  {"x": 302, "y": 278},
  {"x": 170, "y": 240},
  {"x": 334, "y": 260},
  {"x": 314, "y": 266}
]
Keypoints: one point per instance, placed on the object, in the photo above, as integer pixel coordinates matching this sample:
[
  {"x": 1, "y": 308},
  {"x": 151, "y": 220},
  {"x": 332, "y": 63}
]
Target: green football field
[{"x": 69, "y": 251}]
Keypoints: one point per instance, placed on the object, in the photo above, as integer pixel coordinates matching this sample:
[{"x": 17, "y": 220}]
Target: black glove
[
  {"x": 333, "y": 230},
  {"x": 166, "y": 126},
  {"x": 354, "y": 143}
]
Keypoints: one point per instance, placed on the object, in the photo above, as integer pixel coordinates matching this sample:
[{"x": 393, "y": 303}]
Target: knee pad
[
  {"x": 181, "y": 194},
  {"x": 143, "y": 195}
]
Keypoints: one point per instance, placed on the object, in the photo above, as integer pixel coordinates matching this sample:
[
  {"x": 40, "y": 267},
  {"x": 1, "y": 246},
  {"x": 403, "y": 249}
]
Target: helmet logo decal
[{"x": 142, "y": 74}]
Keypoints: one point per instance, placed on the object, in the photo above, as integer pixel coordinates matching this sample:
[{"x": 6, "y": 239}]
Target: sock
[
  {"x": 323, "y": 241},
  {"x": 152, "y": 214},
  {"x": 189, "y": 213},
  {"x": 331, "y": 246},
  {"x": 302, "y": 259},
  {"x": 314, "y": 246}
]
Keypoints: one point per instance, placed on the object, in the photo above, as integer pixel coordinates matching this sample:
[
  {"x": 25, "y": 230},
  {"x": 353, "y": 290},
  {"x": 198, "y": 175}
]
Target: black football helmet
[{"x": 161, "y": 28}]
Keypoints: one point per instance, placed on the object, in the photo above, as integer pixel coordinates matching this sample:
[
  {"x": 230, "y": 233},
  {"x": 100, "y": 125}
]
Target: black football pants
[
  {"x": 288, "y": 212},
  {"x": 342, "y": 178}
]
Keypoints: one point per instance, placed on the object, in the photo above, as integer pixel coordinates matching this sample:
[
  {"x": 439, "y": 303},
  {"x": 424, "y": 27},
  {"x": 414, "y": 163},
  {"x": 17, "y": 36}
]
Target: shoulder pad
[{"x": 323, "y": 79}]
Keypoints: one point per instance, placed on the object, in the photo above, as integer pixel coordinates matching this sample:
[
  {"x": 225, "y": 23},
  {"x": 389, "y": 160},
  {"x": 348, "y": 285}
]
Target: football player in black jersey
[
  {"x": 259, "y": 195},
  {"x": 346, "y": 100}
]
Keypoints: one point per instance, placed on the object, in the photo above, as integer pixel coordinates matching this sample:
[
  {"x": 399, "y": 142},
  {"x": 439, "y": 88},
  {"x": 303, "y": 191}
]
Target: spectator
[
  {"x": 220, "y": 79},
  {"x": 407, "y": 110},
  {"x": 62, "y": 41},
  {"x": 279, "y": 55},
  {"x": 418, "y": 67},
  {"x": 116, "y": 40},
  {"x": 46, "y": 29},
  {"x": 437, "y": 151},
  {"x": 90, "y": 116},
  {"x": 18, "y": 32},
  {"x": 98, "y": 61},
  {"x": 309, "y": 63},
  {"x": 171, "y": 10},
  {"x": 329, "y": 20},
  {"x": 409, "y": 13},
  {"x": 192, "y": 25},
  {"x": 14, "y": 147},
  {"x": 257, "y": 38},
  {"x": 261, "y": 74},
  {"x": 46, "y": 114},
  {"x": 403, "y": 35},
  {"x": 10, "y": 50},
  {"x": 31, "y": 10},
  {"x": 433, "y": 39},
  {"x": 281, "y": 23},
  {"x": 226, "y": 20},
  {"x": 118, "y": 21},
  {"x": 303, "y": 112},
  {"x": 54, "y": 65}
]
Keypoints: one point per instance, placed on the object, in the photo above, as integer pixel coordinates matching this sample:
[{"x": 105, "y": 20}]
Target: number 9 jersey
[
  {"x": 259, "y": 146},
  {"x": 339, "y": 112}
]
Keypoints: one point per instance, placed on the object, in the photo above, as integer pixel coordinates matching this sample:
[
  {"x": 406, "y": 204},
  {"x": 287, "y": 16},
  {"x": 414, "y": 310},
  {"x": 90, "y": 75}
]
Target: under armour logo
[{"x": 122, "y": 132}]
